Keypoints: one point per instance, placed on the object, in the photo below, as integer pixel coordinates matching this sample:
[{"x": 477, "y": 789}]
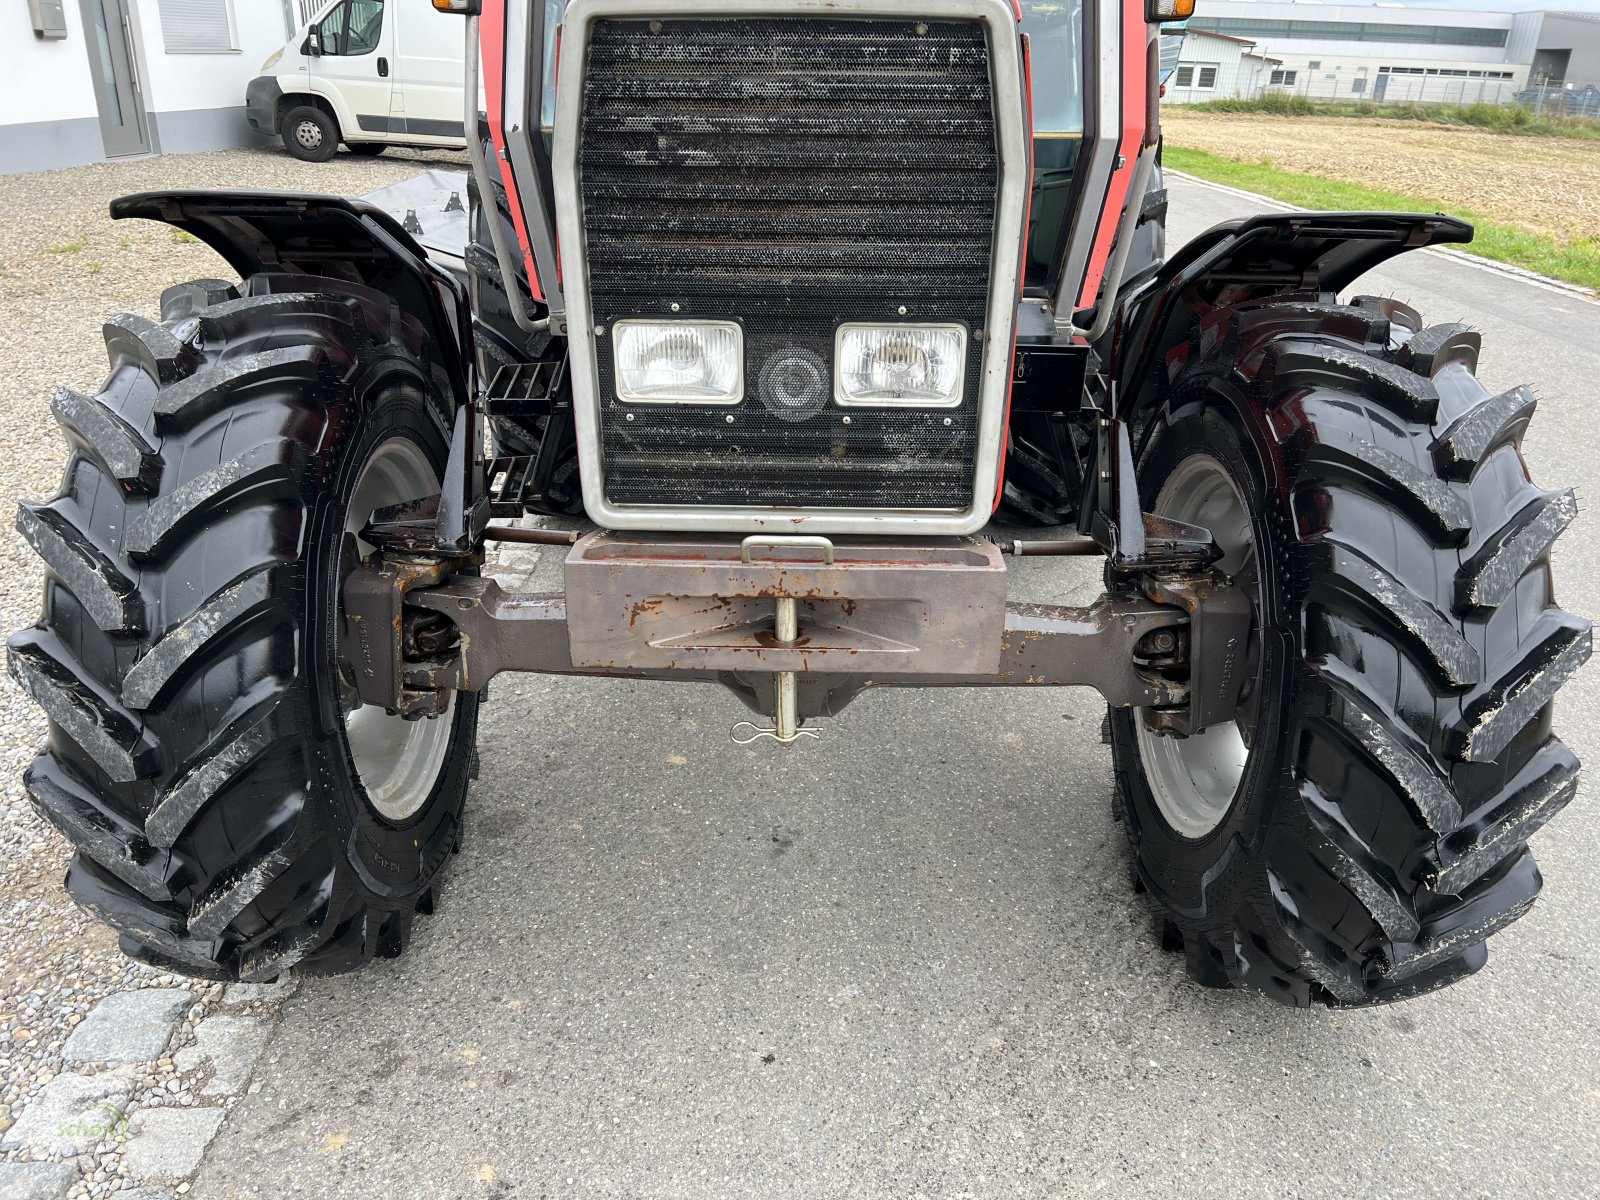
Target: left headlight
[
  {"x": 679, "y": 362},
  {"x": 273, "y": 60},
  {"x": 914, "y": 366}
]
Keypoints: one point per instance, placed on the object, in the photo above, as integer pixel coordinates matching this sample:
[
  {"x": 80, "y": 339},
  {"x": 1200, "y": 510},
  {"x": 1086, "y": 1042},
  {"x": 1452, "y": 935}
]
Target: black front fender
[
  {"x": 1256, "y": 258},
  {"x": 329, "y": 236}
]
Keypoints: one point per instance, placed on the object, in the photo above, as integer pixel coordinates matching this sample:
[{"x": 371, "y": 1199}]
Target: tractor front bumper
[{"x": 797, "y": 626}]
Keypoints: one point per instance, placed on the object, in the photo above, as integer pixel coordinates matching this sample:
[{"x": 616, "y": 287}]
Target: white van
[{"x": 368, "y": 73}]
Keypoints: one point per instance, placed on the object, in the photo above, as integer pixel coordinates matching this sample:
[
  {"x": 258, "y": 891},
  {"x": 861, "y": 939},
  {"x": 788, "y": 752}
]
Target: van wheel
[
  {"x": 366, "y": 149},
  {"x": 310, "y": 134}
]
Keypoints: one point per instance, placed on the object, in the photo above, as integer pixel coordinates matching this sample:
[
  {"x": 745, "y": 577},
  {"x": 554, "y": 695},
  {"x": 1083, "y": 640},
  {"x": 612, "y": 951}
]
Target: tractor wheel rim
[
  {"x": 1194, "y": 780},
  {"x": 398, "y": 761},
  {"x": 308, "y": 134}
]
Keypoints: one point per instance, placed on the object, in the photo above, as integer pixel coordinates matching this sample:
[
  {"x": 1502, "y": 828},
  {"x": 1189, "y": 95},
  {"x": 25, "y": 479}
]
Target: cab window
[{"x": 352, "y": 29}]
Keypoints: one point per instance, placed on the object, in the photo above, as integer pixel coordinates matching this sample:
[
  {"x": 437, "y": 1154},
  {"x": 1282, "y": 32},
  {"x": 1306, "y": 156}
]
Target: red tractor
[{"x": 791, "y": 300}]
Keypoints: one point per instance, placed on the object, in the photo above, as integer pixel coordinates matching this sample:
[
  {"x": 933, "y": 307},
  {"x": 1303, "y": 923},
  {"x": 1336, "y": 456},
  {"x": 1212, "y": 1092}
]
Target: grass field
[
  {"x": 1535, "y": 200},
  {"x": 1500, "y": 118}
]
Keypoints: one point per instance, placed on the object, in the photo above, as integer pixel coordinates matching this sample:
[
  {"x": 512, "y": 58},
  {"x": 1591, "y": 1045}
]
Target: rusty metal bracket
[
  {"x": 1220, "y": 619},
  {"x": 1135, "y": 541},
  {"x": 373, "y": 647}
]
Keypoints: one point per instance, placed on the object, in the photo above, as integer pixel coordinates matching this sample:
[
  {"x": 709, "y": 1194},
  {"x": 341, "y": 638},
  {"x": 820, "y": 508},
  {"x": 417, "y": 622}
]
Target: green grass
[
  {"x": 183, "y": 238},
  {"x": 1498, "y": 118},
  {"x": 74, "y": 247},
  {"x": 1575, "y": 261}
]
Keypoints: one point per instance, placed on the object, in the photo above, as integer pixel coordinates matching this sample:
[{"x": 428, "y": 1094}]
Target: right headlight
[
  {"x": 272, "y": 60},
  {"x": 910, "y": 366}
]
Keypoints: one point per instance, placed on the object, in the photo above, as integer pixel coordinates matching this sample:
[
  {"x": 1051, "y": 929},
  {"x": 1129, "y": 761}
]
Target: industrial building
[{"x": 1389, "y": 55}]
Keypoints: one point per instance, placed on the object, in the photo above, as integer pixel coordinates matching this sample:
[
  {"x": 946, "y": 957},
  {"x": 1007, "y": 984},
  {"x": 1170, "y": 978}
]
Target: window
[
  {"x": 1197, "y": 75},
  {"x": 1185, "y": 77},
  {"x": 1359, "y": 85},
  {"x": 1283, "y": 78},
  {"x": 1314, "y": 65},
  {"x": 353, "y": 28},
  {"x": 197, "y": 26},
  {"x": 1208, "y": 78}
]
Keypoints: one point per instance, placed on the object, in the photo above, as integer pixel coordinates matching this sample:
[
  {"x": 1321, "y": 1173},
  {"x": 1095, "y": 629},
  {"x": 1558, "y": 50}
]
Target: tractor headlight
[
  {"x": 679, "y": 362},
  {"x": 914, "y": 366}
]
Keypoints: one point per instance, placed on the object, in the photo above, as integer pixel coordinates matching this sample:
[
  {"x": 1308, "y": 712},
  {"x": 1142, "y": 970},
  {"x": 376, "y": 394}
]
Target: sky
[{"x": 1586, "y": 6}]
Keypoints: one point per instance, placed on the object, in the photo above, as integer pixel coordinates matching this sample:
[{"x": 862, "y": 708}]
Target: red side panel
[
  {"x": 492, "y": 31},
  {"x": 1135, "y": 64}
]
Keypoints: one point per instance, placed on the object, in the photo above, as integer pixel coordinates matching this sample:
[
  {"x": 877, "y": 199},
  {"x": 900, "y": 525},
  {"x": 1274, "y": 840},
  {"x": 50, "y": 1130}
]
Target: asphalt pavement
[{"x": 905, "y": 960}]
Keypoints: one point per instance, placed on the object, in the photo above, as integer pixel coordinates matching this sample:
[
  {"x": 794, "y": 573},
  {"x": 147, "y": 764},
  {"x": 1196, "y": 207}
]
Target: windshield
[{"x": 1055, "y": 37}]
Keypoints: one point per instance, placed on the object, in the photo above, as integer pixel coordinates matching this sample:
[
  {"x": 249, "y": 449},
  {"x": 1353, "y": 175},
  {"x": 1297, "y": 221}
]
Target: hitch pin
[{"x": 787, "y": 731}]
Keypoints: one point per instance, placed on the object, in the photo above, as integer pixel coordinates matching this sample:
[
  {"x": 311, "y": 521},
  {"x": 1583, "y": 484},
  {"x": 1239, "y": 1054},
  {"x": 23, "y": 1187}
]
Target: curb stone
[
  {"x": 72, "y": 1115},
  {"x": 35, "y": 1181},
  {"x": 126, "y": 1112},
  {"x": 165, "y": 1145},
  {"x": 230, "y": 1046},
  {"x": 128, "y": 1026}
]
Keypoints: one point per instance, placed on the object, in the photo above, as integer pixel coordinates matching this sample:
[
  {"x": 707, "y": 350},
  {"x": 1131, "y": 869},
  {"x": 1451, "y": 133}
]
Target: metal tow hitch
[{"x": 786, "y": 729}]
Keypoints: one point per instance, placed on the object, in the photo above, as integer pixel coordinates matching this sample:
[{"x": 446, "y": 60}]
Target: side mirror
[{"x": 313, "y": 46}]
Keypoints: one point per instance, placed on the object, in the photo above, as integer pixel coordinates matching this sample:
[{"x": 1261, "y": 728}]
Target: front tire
[
  {"x": 1373, "y": 834},
  {"x": 201, "y": 755},
  {"x": 310, "y": 134}
]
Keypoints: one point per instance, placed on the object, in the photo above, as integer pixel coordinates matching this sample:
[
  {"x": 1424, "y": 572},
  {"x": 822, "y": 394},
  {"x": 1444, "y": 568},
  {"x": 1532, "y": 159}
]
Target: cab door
[
  {"x": 430, "y": 73},
  {"x": 352, "y": 50}
]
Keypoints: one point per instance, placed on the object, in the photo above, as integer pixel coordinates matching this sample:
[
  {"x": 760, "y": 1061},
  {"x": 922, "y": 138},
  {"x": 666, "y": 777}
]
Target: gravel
[{"x": 64, "y": 267}]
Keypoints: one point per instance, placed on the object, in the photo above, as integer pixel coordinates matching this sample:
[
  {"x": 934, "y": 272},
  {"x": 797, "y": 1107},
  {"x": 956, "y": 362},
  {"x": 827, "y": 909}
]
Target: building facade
[
  {"x": 1216, "y": 66},
  {"x": 1569, "y": 50},
  {"x": 88, "y": 80},
  {"x": 1385, "y": 54}
]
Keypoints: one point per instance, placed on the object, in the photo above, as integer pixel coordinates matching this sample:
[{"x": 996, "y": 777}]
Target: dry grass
[{"x": 1549, "y": 186}]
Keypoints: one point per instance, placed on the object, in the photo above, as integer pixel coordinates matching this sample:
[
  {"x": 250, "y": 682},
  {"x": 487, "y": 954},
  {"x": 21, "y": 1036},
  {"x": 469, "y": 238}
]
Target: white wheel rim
[
  {"x": 1194, "y": 780},
  {"x": 308, "y": 134},
  {"x": 397, "y": 761}
]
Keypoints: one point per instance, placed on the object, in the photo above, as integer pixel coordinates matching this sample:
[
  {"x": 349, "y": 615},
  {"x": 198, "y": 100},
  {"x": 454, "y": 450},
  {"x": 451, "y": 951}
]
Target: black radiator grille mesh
[{"x": 790, "y": 174}]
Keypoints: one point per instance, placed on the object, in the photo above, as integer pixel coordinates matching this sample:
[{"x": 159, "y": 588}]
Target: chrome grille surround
[{"x": 934, "y": 501}]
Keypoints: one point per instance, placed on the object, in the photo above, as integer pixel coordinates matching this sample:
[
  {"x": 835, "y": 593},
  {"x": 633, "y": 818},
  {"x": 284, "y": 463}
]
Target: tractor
[{"x": 794, "y": 324}]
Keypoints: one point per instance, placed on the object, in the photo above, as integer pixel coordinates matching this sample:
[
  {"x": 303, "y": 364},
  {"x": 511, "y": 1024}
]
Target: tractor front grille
[{"x": 790, "y": 174}]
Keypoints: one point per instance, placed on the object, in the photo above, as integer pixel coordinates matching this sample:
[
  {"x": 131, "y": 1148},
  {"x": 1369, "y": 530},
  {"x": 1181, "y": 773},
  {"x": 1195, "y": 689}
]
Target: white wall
[
  {"x": 192, "y": 102},
  {"x": 180, "y": 82},
  {"x": 43, "y": 81}
]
